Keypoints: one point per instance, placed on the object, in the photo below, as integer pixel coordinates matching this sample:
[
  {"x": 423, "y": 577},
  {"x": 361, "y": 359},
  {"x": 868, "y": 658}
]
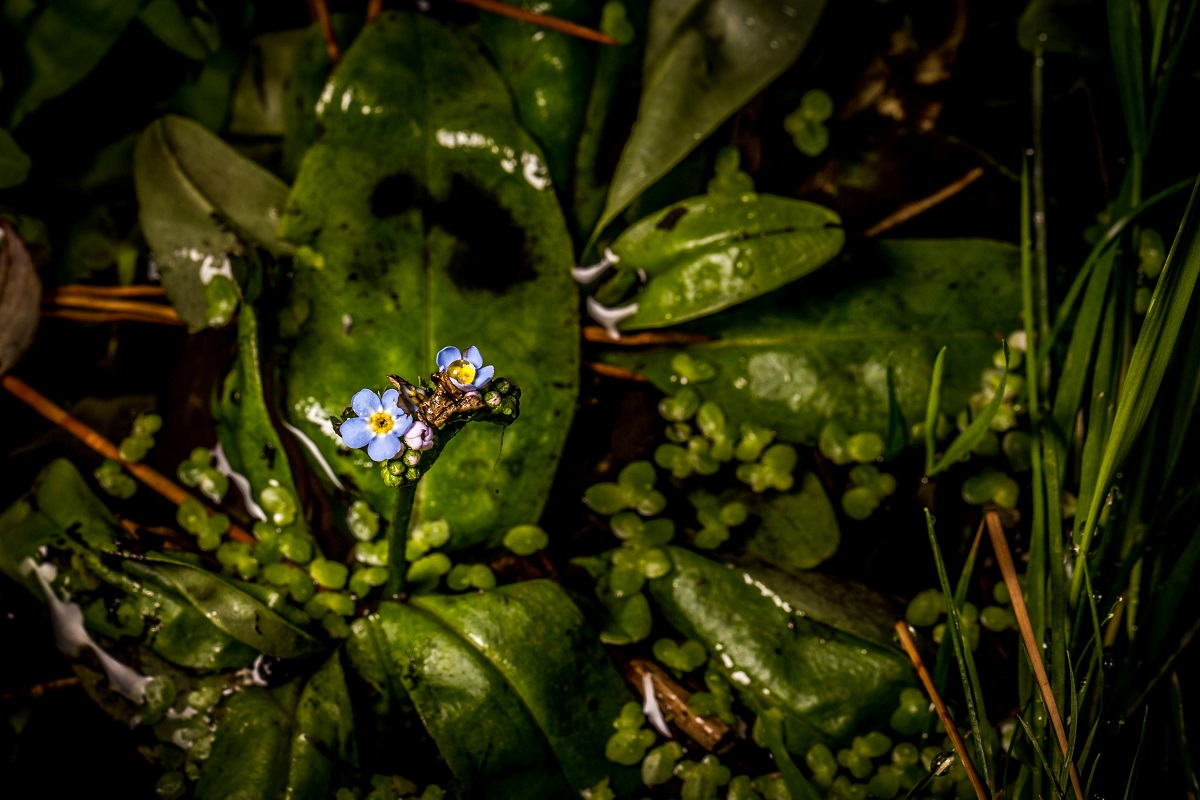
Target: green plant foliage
[
  {"x": 798, "y": 530},
  {"x": 65, "y": 40},
  {"x": 14, "y": 163},
  {"x": 549, "y": 74},
  {"x": 739, "y": 45},
  {"x": 394, "y": 270},
  {"x": 495, "y": 678},
  {"x": 203, "y": 207},
  {"x": 708, "y": 253},
  {"x": 796, "y": 360},
  {"x": 819, "y": 676}
]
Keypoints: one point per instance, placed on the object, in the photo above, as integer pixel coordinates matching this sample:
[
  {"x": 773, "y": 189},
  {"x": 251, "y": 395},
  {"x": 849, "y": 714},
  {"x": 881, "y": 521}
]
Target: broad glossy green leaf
[
  {"x": 202, "y": 207},
  {"x": 243, "y": 421},
  {"x": 240, "y": 614},
  {"x": 828, "y": 681},
  {"x": 60, "y": 511},
  {"x": 14, "y": 163},
  {"x": 424, "y": 222},
  {"x": 293, "y": 742},
  {"x": 711, "y": 252},
  {"x": 818, "y": 351},
  {"x": 798, "y": 530},
  {"x": 482, "y": 729},
  {"x": 511, "y": 683},
  {"x": 704, "y": 60},
  {"x": 65, "y": 41},
  {"x": 550, "y": 74}
]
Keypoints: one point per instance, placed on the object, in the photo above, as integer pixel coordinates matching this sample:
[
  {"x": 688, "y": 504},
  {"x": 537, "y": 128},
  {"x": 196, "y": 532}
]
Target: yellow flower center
[
  {"x": 381, "y": 422},
  {"x": 461, "y": 370}
]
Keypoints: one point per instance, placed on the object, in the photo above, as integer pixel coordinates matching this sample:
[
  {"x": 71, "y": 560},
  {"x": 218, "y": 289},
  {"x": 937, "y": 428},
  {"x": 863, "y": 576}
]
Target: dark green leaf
[
  {"x": 14, "y": 163},
  {"x": 707, "y": 253},
  {"x": 829, "y": 681},
  {"x": 799, "y": 529},
  {"x": 201, "y": 205},
  {"x": 194, "y": 35},
  {"x": 511, "y": 683},
  {"x": 243, "y": 422},
  {"x": 289, "y": 743},
  {"x": 549, "y": 73},
  {"x": 260, "y": 96},
  {"x": 20, "y": 297},
  {"x": 428, "y": 222},
  {"x": 704, "y": 60},
  {"x": 819, "y": 352},
  {"x": 66, "y": 41},
  {"x": 237, "y": 612},
  {"x": 60, "y": 511},
  {"x": 897, "y": 428}
]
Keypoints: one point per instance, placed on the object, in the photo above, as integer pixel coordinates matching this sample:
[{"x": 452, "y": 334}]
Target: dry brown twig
[
  {"x": 960, "y": 748},
  {"x": 147, "y": 475},
  {"x": 708, "y": 732}
]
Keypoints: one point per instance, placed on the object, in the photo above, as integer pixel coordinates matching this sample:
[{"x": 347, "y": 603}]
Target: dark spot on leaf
[
  {"x": 74, "y": 528},
  {"x": 490, "y": 251},
  {"x": 671, "y": 218},
  {"x": 593, "y": 704},
  {"x": 268, "y": 455},
  {"x": 395, "y": 195}
]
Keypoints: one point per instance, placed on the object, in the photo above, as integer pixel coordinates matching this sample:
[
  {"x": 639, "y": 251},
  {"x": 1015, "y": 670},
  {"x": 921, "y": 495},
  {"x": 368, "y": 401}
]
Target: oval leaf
[
  {"x": 241, "y": 615},
  {"x": 799, "y": 530},
  {"x": 201, "y": 204},
  {"x": 829, "y": 681},
  {"x": 705, "y": 59},
  {"x": 707, "y": 253},
  {"x": 426, "y": 222},
  {"x": 819, "y": 352}
]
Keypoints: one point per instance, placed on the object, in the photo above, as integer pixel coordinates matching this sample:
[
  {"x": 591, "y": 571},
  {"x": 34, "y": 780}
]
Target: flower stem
[{"x": 398, "y": 539}]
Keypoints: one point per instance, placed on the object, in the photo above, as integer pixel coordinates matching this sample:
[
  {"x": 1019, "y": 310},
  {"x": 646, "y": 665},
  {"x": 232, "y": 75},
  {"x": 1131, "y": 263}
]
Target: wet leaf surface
[
  {"x": 708, "y": 253},
  {"x": 425, "y": 223},
  {"x": 202, "y": 207},
  {"x": 512, "y": 684},
  {"x": 738, "y": 46},
  {"x": 818, "y": 351},
  {"x": 829, "y": 681}
]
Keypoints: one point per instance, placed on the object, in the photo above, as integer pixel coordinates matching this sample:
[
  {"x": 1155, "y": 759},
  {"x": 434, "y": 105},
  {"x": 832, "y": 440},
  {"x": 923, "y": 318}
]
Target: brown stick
[
  {"x": 1032, "y": 648},
  {"x": 960, "y": 747},
  {"x": 542, "y": 20},
  {"x": 319, "y": 11},
  {"x": 907, "y": 212},
  {"x": 374, "y": 9},
  {"x": 137, "y": 307},
  {"x": 41, "y": 689},
  {"x": 708, "y": 732},
  {"x": 609, "y": 371},
  {"x": 143, "y": 290},
  {"x": 594, "y": 333},
  {"x": 107, "y": 316},
  {"x": 151, "y": 477}
]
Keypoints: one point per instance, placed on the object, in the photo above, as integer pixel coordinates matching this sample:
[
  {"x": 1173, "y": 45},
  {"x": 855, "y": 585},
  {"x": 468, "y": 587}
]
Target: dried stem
[
  {"x": 104, "y": 291},
  {"x": 154, "y": 312},
  {"x": 708, "y": 732},
  {"x": 150, "y": 477},
  {"x": 1032, "y": 648},
  {"x": 319, "y": 11},
  {"x": 374, "y": 9},
  {"x": 41, "y": 689},
  {"x": 618, "y": 373},
  {"x": 917, "y": 207},
  {"x": 960, "y": 747},
  {"x": 108, "y": 316},
  {"x": 594, "y": 333},
  {"x": 543, "y": 20}
]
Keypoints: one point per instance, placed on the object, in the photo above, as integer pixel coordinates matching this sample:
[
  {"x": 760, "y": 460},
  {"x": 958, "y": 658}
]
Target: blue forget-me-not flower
[
  {"x": 380, "y": 424},
  {"x": 466, "y": 372}
]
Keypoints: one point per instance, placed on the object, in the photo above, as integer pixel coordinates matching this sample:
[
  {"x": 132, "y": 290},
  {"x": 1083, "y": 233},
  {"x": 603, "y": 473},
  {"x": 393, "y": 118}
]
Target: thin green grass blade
[
  {"x": 897, "y": 431},
  {"x": 1180, "y": 736},
  {"x": 941, "y": 667},
  {"x": 1164, "y": 80},
  {"x": 962, "y": 444},
  {"x": 1125, "y": 39},
  {"x": 1137, "y": 754},
  {"x": 955, "y": 633},
  {"x": 1151, "y": 357},
  {"x": 1045, "y": 765},
  {"x": 931, "y": 410},
  {"x": 1077, "y": 366}
]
